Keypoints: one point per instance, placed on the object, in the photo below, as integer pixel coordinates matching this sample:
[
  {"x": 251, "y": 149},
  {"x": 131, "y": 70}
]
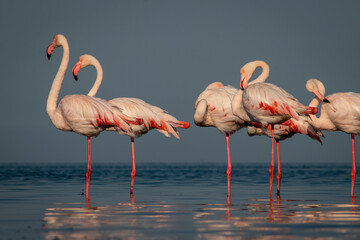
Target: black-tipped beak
[
  {"x": 326, "y": 100},
  {"x": 241, "y": 85},
  {"x": 75, "y": 77},
  {"x": 48, "y": 55}
]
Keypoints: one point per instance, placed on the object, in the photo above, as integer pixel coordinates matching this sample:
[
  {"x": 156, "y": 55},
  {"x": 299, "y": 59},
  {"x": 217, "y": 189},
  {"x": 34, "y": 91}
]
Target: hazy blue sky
[{"x": 166, "y": 53}]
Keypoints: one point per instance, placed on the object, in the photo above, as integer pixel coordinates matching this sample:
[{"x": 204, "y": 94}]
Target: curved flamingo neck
[
  {"x": 56, "y": 85},
  {"x": 264, "y": 74},
  {"x": 99, "y": 77},
  {"x": 313, "y": 85},
  {"x": 238, "y": 108},
  {"x": 323, "y": 122}
]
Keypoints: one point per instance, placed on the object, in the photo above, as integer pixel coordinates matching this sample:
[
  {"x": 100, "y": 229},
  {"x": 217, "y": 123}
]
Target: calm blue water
[{"x": 42, "y": 201}]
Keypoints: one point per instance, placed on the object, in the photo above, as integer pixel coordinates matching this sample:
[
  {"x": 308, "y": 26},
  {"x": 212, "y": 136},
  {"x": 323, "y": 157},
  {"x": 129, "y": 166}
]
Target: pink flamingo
[
  {"x": 153, "y": 117},
  {"x": 339, "y": 112},
  {"x": 213, "y": 109},
  {"x": 82, "y": 114},
  {"x": 268, "y": 104}
]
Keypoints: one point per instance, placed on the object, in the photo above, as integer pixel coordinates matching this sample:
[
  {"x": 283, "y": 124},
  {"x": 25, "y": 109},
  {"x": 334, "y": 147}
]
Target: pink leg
[
  {"x": 353, "y": 172},
  {"x": 279, "y": 174},
  {"x": 133, "y": 172},
  {"x": 88, "y": 173},
  {"x": 229, "y": 169},
  {"x": 229, "y": 189},
  {"x": 271, "y": 169},
  {"x": 87, "y": 193}
]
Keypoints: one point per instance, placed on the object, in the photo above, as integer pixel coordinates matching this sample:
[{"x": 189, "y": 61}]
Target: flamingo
[
  {"x": 213, "y": 109},
  {"x": 268, "y": 104},
  {"x": 339, "y": 112},
  {"x": 153, "y": 117},
  {"x": 82, "y": 114}
]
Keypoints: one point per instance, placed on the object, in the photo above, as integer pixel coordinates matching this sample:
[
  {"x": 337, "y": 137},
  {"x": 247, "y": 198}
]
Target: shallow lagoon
[{"x": 183, "y": 201}]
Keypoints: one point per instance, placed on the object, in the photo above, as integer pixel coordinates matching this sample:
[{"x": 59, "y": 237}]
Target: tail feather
[
  {"x": 122, "y": 126},
  {"x": 164, "y": 127},
  {"x": 311, "y": 133},
  {"x": 182, "y": 124}
]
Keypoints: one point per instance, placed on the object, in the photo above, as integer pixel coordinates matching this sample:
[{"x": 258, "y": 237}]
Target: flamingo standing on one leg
[
  {"x": 268, "y": 104},
  {"x": 82, "y": 114},
  {"x": 213, "y": 109},
  {"x": 152, "y": 117},
  {"x": 339, "y": 112}
]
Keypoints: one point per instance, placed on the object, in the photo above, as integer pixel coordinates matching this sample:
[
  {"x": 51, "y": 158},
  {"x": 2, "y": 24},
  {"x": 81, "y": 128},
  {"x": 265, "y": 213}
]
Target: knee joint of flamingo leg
[
  {"x": 271, "y": 170},
  {"x": 228, "y": 171},
  {"x": 133, "y": 173},
  {"x": 353, "y": 174}
]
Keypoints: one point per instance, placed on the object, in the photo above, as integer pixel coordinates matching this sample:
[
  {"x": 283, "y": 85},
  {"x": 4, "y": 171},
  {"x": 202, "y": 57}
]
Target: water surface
[{"x": 187, "y": 201}]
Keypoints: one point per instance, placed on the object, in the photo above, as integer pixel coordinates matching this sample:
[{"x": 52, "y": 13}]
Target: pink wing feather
[
  {"x": 268, "y": 103},
  {"x": 90, "y": 115}
]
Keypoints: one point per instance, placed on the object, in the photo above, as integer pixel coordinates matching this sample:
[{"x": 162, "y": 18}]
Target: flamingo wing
[
  {"x": 217, "y": 112},
  {"x": 268, "y": 103},
  {"x": 344, "y": 111},
  {"x": 153, "y": 117},
  {"x": 90, "y": 115}
]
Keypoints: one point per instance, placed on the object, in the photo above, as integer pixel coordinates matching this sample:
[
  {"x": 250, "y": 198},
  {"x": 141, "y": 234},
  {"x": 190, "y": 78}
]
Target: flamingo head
[
  {"x": 84, "y": 61},
  {"x": 76, "y": 69},
  {"x": 248, "y": 70},
  {"x": 317, "y": 88},
  {"x": 58, "y": 41}
]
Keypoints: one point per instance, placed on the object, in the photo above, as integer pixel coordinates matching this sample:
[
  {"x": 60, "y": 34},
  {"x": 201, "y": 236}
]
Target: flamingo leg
[
  {"x": 133, "y": 172},
  {"x": 88, "y": 173},
  {"x": 229, "y": 189},
  {"x": 229, "y": 169},
  {"x": 271, "y": 169},
  {"x": 353, "y": 172},
  {"x": 87, "y": 193},
  {"x": 279, "y": 174}
]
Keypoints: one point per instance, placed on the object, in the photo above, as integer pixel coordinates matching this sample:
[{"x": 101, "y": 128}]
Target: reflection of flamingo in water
[
  {"x": 82, "y": 114},
  {"x": 268, "y": 104},
  {"x": 152, "y": 117},
  {"x": 213, "y": 109},
  {"x": 339, "y": 112}
]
